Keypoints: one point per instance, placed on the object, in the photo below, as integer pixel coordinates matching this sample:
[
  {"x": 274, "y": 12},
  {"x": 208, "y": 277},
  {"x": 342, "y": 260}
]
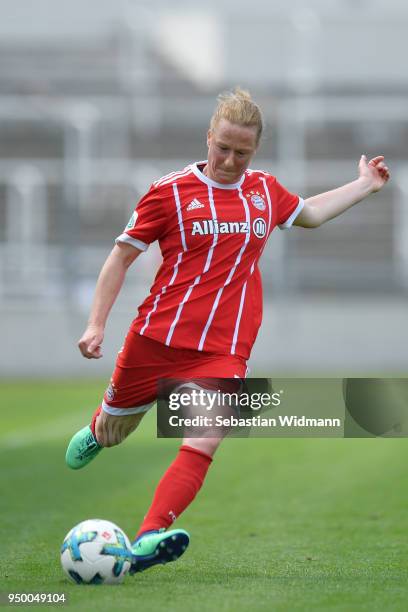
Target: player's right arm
[{"x": 107, "y": 289}]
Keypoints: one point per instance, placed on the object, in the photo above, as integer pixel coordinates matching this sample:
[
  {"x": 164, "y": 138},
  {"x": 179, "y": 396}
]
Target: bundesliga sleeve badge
[{"x": 132, "y": 221}]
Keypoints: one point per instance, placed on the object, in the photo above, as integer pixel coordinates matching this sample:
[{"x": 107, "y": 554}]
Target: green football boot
[
  {"x": 82, "y": 449},
  {"x": 154, "y": 547}
]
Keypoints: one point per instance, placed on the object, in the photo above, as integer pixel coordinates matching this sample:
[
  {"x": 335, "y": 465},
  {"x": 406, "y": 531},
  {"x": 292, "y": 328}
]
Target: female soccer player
[{"x": 212, "y": 221}]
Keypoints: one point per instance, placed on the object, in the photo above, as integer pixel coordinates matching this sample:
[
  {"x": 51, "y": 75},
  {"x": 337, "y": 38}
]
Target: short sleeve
[
  {"x": 289, "y": 206},
  {"x": 147, "y": 222}
]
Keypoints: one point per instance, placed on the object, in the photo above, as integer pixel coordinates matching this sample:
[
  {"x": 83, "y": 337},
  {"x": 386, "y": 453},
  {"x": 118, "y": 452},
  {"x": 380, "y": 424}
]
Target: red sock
[
  {"x": 177, "y": 488},
  {"x": 94, "y": 417}
]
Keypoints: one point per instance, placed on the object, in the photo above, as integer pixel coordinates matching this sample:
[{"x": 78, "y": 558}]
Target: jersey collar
[{"x": 205, "y": 179}]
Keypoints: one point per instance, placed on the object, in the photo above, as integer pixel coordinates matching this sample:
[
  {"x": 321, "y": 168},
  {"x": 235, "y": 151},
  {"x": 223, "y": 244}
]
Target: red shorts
[{"x": 142, "y": 362}]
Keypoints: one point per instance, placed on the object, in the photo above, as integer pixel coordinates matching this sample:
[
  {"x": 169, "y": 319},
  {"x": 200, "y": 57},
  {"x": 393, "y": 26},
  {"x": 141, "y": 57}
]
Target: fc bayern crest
[
  {"x": 111, "y": 391},
  {"x": 258, "y": 202}
]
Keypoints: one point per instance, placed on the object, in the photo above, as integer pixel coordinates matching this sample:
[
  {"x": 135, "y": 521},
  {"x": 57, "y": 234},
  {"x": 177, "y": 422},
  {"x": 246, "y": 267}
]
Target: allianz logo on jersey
[{"x": 211, "y": 226}]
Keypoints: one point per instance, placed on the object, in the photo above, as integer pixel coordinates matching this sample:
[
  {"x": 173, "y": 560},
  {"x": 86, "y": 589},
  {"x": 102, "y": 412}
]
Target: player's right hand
[{"x": 91, "y": 341}]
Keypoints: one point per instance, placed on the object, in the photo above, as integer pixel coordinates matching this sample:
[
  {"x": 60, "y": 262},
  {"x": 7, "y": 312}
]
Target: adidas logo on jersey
[
  {"x": 213, "y": 227},
  {"x": 195, "y": 204}
]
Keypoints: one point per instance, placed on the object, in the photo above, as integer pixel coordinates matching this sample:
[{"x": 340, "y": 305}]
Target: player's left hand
[{"x": 375, "y": 172}]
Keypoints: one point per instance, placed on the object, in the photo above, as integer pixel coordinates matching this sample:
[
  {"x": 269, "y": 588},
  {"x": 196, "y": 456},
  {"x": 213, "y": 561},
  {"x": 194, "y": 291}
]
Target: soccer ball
[{"x": 96, "y": 552}]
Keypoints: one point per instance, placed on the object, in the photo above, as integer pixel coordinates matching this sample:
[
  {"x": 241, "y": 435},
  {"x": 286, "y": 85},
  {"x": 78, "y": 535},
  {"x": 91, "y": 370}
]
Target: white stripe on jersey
[
  {"x": 158, "y": 296},
  {"x": 176, "y": 265},
  {"x": 197, "y": 278},
  {"x": 289, "y": 222},
  {"x": 230, "y": 275},
  {"x": 179, "y": 216},
  {"x": 268, "y": 197},
  {"x": 238, "y": 321},
  {"x": 241, "y": 305},
  {"x": 176, "y": 177},
  {"x": 169, "y": 178},
  {"x": 215, "y": 239},
  {"x": 180, "y": 308},
  {"x": 142, "y": 246}
]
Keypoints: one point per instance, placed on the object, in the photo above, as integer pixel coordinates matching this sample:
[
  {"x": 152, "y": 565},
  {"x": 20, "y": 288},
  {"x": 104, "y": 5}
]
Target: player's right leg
[
  {"x": 105, "y": 430},
  {"x": 131, "y": 393}
]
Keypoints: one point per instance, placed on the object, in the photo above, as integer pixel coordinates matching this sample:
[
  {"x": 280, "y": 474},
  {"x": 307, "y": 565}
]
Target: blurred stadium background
[{"x": 99, "y": 98}]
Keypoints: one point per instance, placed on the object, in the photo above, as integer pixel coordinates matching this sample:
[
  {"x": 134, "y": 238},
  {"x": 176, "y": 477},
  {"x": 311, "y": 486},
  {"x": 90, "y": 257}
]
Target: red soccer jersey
[{"x": 207, "y": 294}]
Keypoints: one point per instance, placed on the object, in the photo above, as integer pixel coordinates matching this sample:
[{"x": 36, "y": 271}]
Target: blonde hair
[{"x": 238, "y": 107}]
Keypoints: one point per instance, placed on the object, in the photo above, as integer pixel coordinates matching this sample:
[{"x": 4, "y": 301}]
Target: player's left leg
[
  {"x": 175, "y": 491},
  {"x": 180, "y": 483}
]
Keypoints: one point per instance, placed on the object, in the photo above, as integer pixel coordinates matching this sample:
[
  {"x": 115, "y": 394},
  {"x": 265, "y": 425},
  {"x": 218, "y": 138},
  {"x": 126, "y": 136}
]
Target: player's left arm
[{"x": 320, "y": 208}]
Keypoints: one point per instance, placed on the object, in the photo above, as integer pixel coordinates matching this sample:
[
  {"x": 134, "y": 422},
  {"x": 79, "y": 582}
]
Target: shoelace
[{"x": 88, "y": 449}]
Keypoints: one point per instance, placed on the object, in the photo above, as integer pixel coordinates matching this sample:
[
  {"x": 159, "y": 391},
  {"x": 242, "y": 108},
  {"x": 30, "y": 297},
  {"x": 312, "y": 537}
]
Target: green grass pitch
[{"x": 279, "y": 524}]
